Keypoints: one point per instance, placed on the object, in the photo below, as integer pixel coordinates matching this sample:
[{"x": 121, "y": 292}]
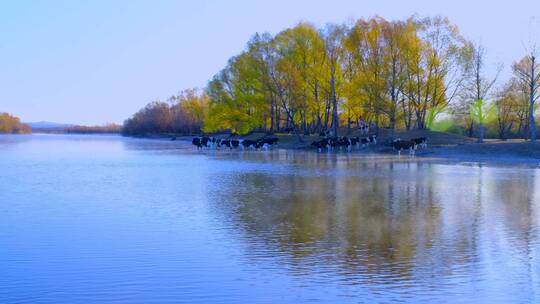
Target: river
[{"x": 86, "y": 219}]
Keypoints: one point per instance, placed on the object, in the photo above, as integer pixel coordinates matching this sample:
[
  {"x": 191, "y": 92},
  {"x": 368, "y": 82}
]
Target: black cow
[
  {"x": 247, "y": 143},
  {"x": 355, "y": 142}
]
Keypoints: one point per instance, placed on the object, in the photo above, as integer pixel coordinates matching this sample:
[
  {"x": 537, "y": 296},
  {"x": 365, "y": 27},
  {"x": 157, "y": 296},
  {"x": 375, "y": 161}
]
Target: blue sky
[{"x": 93, "y": 62}]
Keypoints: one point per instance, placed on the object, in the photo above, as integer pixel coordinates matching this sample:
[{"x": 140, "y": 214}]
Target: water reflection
[{"x": 422, "y": 228}]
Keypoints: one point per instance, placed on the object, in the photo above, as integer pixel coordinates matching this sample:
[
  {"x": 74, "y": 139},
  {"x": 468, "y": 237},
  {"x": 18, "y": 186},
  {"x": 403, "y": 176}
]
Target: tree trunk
[
  {"x": 278, "y": 118},
  {"x": 272, "y": 114},
  {"x": 471, "y": 129},
  {"x": 420, "y": 120},
  {"x": 481, "y": 131},
  {"x": 532, "y": 122},
  {"x": 348, "y": 122},
  {"x": 327, "y": 115},
  {"x": 334, "y": 106}
]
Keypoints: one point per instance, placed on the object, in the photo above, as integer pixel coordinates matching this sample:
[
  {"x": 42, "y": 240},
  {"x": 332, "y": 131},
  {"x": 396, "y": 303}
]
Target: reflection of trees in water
[
  {"x": 516, "y": 204},
  {"x": 396, "y": 220},
  {"x": 518, "y": 209},
  {"x": 370, "y": 223}
]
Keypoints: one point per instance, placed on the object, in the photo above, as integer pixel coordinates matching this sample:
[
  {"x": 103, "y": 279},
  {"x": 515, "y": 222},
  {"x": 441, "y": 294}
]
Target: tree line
[
  {"x": 98, "y": 129},
  {"x": 12, "y": 125},
  {"x": 183, "y": 113},
  {"x": 406, "y": 74}
]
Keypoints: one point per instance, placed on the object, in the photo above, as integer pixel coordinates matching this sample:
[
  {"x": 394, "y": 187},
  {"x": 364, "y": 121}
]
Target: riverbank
[
  {"x": 490, "y": 151},
  {"x": 160, "y": 214},
  {"x": 440, "y": 145}
]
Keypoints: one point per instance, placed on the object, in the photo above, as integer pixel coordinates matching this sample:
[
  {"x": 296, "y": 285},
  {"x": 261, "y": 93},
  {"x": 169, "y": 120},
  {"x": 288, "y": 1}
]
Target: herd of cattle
[
  {"x": 328, "y": 143},
  {"x": 343, "y": 142},
  {"x": 264, "y": 143}
]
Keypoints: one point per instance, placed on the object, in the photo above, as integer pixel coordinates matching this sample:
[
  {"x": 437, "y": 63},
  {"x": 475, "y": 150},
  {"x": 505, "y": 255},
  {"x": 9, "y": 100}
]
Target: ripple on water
[{"x": 110, "y": 219}]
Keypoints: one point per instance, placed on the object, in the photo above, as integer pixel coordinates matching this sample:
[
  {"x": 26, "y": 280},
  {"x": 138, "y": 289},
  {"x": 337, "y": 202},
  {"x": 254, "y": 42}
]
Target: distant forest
[
  {"x": 419, "y": 73},
  {"x": 108, "y": 128}
]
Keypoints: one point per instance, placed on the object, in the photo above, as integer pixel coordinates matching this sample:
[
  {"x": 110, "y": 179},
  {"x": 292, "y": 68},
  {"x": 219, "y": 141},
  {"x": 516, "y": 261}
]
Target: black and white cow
[
  {"x": 421, "y": 142},
  {"x": 197, "y": 142},
  {"x": 399, "y": 145},
  {"x": 355, "y": 142},
  {"x": 364, "y": 127},
  {"x": 202, "y": 142},
  {"x": 226, "y": 143}
]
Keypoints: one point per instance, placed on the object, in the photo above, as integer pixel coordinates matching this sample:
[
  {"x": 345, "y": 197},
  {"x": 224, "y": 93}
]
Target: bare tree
[
  {"x": 508, "y": 101},
  {"x": 478, "y": 85},
  {"x": 527, "y": 70},
  {"x": 333, "y": 35}
]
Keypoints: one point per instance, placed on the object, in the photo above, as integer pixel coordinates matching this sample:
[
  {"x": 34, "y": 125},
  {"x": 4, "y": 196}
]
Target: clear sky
[{"x": 93, "y": 62}]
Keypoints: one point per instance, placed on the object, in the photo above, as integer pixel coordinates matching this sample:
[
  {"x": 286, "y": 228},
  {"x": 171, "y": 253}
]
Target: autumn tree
[
  {"x": 366, "y": 43},
  {"x": 333, "y": 37},
  {"x": 237, "y": 100},
  {"x": 435, "y": 68},
  {"x": 306, "y": 80},
  {"x": 12, "y": 125}
]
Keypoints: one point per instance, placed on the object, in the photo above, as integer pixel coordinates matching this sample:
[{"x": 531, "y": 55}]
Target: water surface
[{"x": 109, "y": 219}]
